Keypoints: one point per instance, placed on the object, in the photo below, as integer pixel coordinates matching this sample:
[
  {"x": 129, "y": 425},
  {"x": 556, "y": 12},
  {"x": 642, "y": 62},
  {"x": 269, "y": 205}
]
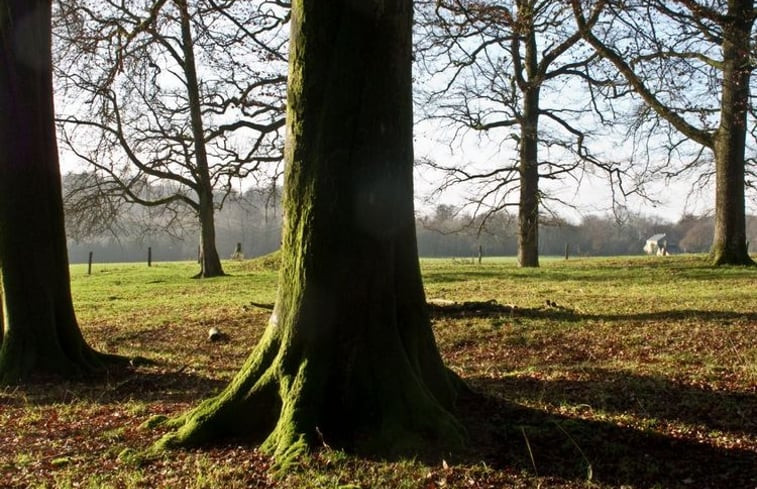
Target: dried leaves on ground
[{"x": 589, "y": 373}]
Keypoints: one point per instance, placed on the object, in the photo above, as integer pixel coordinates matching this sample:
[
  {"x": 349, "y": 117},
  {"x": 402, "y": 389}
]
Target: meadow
[{"x": 628, "y": 372}]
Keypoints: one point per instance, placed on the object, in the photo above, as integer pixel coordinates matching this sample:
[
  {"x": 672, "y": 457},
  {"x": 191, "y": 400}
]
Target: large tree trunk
[
  {"x": 349, "y": 357},
  {"x": 729, "y": 245},
  {"x": 41, "y": 335},
  {"x": 210, "y": 262}
]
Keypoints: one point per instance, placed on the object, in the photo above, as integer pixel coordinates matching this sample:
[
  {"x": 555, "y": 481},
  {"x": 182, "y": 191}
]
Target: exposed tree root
[{"x": 292, "y": 400}]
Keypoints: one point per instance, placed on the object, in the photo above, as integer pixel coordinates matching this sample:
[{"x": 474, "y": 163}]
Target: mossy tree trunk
[
  {"x": 41, "y": 335},
  {"x": 528, "y": 207},
  {"x": 210, "y": 261},
  {"x": 349, "y": 357}
]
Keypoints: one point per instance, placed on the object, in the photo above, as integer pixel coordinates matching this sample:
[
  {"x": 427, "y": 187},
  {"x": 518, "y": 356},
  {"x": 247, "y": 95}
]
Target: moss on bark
[{"x": 349, "y": 358}]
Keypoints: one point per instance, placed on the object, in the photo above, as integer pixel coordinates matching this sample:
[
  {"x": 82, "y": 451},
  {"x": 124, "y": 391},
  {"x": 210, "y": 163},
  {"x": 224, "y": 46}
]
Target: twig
[
  {"x": 589, "y": 470},
  {"x": 262, "y": 305},
  {"x": 530, "y": 452}
]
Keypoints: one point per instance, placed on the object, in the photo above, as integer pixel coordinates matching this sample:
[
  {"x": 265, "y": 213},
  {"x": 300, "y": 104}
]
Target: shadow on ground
[
  {"x": 506, "y": 434},
  {"x": 656, "y": 399},
  {"x": 555, "y": 311},
  {"x": 510, "y": 436},
  {"x": 142, "y": 384}
]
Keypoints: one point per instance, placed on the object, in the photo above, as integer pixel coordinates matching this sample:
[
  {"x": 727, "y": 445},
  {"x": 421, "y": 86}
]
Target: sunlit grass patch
[{"x": 642, "y": 369}]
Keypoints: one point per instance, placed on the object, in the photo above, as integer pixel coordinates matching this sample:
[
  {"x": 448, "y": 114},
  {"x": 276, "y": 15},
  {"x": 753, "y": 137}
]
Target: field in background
[{"x": 620, "y": 372}]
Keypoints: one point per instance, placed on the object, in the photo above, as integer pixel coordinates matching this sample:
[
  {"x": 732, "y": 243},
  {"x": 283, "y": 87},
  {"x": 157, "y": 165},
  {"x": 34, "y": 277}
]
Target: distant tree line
[
  {"x": 252, "y": 219},
  {"x": 449, "y": 232}
]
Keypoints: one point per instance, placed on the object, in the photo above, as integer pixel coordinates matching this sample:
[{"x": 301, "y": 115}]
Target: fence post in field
[
  {"x": 567, "y": 250},
  {"x": 89, "y": 264},
  {"x": 480, "y": 253},
  {"x": 237, "y": 255},
  {"x": 149, "y": 256}
]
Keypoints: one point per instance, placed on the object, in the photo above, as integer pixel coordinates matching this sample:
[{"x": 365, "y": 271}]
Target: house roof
[{"x": 657, "y": 237}]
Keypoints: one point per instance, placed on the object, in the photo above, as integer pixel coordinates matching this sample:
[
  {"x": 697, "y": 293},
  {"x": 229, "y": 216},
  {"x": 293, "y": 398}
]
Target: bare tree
[
  {"x": 189, "y": 92},
  {"x": 505, "y": 68},
  {"x": 690, "y": 61}
]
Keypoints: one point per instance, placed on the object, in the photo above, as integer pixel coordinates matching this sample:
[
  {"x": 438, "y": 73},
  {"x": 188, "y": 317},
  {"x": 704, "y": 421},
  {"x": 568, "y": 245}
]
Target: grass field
[{"x": 622, "y": 372}]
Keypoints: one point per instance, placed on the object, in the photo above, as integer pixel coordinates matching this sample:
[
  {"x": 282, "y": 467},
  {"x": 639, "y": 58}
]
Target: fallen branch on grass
[
  {"x": 261, "y": 305},
  {"x": 472, "y": 308},
  {"x": 444, "y": 307}
]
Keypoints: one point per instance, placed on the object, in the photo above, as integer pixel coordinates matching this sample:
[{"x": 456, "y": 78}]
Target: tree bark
[
  {"x": 210, "y": 262},
  {"x": 349, "y": 357},
  {"x": 729, "y": 244},
  {"x": 528, "y": 207},
  {"x": 41, "y": 335}
]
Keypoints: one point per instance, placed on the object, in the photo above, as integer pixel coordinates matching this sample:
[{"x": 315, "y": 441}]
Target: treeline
[
  {"x": 448, "y": 232},
  {"x": 252, "y": 219}
]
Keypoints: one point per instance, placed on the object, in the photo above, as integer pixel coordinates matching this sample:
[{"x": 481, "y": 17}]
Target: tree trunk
[
  {"x": 349, "y": 357},
  {"x": 41, "y": 334},
  {"x": 729, "y": 244},
  {"x": 528, "y": 206},
  {"x": 210, "y": 262}
]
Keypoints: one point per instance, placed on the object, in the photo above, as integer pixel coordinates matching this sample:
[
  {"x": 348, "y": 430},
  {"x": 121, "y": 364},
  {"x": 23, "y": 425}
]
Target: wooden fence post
[
  {"x": 149, "y": 256},
  {"x": 89, "y": 264}
]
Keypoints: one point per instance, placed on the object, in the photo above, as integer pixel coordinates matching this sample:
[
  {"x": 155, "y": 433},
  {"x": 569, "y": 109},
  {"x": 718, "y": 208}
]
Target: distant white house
[{"x": 657, "y": 245}]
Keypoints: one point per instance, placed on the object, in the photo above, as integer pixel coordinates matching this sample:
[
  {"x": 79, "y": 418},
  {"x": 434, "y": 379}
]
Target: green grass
[{"x": 618, "y": 372}]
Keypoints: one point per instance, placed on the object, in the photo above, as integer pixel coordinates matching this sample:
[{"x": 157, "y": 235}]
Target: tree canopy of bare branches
[
  {"x": 509, "y": 69},
  {"x": 188, "y": 93},
  {"x": 691, "y": 63}
]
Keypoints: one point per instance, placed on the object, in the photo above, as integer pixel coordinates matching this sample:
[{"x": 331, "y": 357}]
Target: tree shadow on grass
[
  {"x": 142, "y": 384},
  {"x": 506, "y": 434},
  {"x": 490, "y": 309},
  {"x": 656, "y": 399}
]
